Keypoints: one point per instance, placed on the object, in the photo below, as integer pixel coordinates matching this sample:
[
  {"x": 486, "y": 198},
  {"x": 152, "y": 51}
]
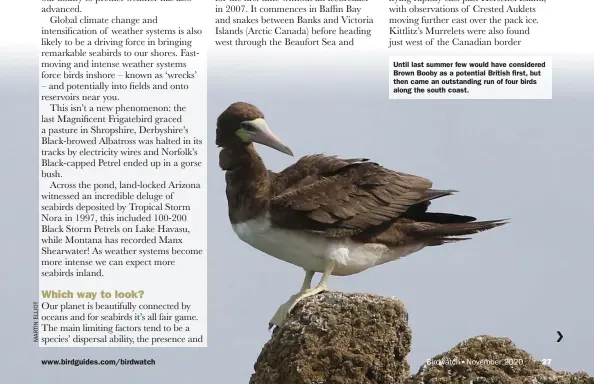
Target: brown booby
[{"x": 325, "y": 214}]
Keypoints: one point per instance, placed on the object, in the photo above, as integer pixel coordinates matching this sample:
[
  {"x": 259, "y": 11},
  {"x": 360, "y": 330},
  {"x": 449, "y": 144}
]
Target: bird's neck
[{"x": 248, "y": 182}]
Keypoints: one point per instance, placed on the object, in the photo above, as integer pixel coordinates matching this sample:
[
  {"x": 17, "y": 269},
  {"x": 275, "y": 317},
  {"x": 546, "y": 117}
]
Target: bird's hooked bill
[{"x": 259, "y": 132}]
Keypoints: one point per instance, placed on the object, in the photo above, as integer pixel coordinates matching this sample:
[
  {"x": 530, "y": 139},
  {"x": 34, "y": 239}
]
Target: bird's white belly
[{"x": 311, "y": 251}]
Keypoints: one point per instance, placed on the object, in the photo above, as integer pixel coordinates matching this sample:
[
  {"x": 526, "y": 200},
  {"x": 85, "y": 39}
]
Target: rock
[
  {"x": 490, "y": 360},
  {"x": 338, "y": 338}
]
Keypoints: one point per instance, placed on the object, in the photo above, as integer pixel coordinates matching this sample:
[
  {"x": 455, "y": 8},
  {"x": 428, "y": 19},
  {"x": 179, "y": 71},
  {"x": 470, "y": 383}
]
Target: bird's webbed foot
[{"x": 283, "y": 311}]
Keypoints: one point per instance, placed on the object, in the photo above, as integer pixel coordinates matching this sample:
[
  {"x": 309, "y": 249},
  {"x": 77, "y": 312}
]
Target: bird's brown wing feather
[{"x": 340, "y": 197}]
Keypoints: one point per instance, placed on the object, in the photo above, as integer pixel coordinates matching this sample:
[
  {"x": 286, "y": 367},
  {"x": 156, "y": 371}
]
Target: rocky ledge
[{"x": 339, "y": 338}]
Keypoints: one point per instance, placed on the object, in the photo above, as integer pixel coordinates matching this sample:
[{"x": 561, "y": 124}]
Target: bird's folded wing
[{"x": 351, "y": 195}]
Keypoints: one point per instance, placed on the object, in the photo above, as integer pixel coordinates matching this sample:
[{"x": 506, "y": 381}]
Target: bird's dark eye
[{"x": 247, "y": 127}]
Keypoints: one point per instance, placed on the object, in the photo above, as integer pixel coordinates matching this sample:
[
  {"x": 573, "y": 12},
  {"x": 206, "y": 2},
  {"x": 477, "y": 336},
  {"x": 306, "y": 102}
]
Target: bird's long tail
[{"x": 437, "y": 234}]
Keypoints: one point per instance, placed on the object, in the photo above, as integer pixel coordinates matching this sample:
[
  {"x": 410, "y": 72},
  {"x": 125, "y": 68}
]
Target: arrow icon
[{"x": 560, "y": 336}]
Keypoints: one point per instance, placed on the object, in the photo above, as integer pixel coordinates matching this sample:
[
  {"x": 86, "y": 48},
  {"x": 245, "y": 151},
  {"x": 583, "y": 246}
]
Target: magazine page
[{"x": 297, "y": 191}]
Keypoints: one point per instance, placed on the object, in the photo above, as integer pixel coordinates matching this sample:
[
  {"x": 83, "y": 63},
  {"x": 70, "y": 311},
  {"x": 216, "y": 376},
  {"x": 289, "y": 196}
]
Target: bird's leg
[
  {"x": 282, "y": 312},
  {"x": 321, "y": 287},
  {"x": 307, "y": 281}
]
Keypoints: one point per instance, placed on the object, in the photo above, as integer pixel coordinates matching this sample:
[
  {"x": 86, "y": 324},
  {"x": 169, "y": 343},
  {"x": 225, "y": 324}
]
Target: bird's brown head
[{"x": 242, "y": 124}]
